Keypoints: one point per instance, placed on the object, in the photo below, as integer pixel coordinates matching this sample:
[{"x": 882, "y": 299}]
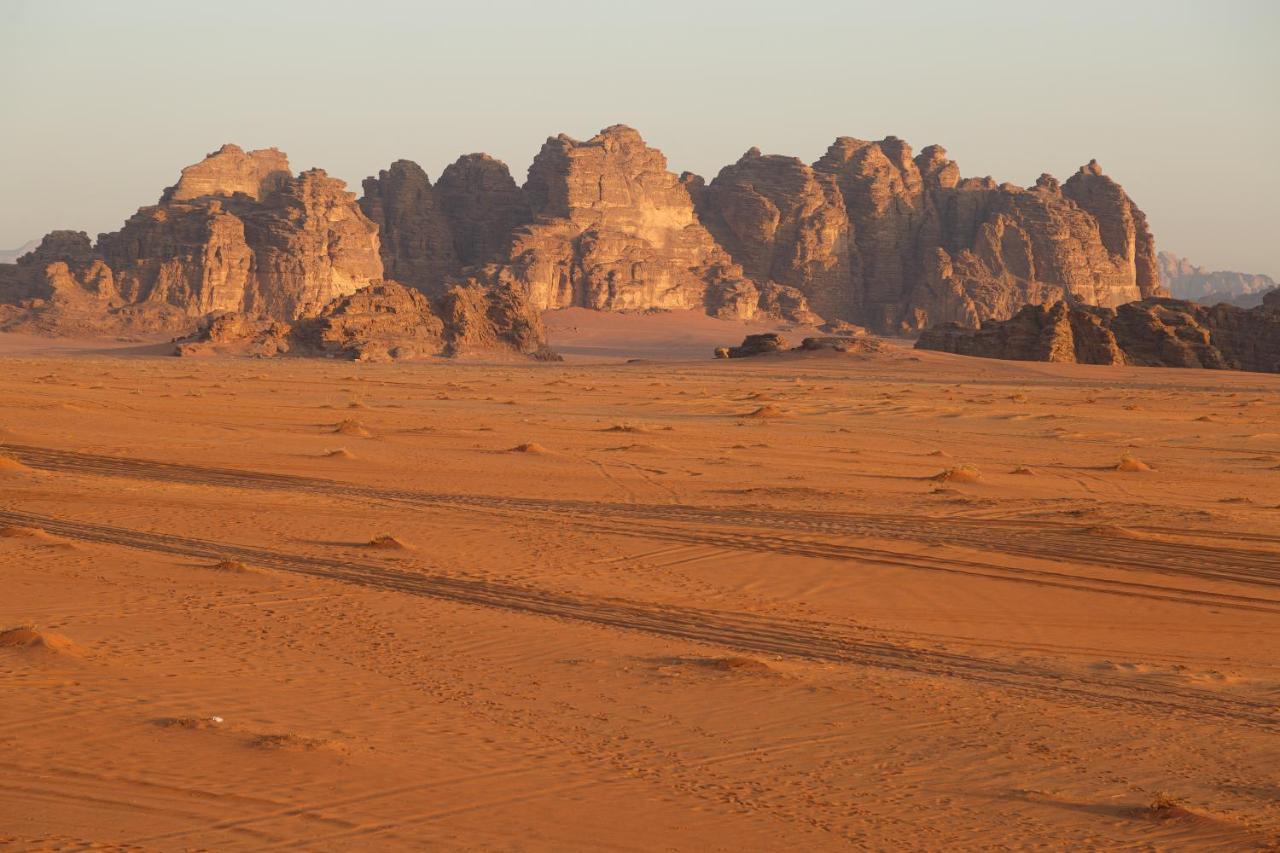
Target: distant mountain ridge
[
  {"x": 8, "y": 256},
  {"x": 1185, "y": 280}
]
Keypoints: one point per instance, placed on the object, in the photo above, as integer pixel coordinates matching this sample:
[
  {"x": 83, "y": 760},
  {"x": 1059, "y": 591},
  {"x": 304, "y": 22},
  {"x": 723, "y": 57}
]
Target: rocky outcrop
[
  {"x": 383, "y": 322},
  {"x": 231, "y": 170},
  {"x": 268, "y": 263},
  {"x": 771, "y": 342},
  {"x": 1155, "y": 332},
  {"x": 237, "y": 233},
  {"x": 873, "y": 235},
  {"x": 786, "y": 225},
  {"x": 1185, "y": 280},
  {"x": 484, "y": 207},
  {"x": 415, "y": 240},
  {"x": 614, "y": 230}
]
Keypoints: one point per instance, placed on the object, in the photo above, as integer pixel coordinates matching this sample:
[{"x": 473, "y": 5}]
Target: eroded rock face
[
  {"x": 231, "y": 170},
  {"x": 415, "y": 239},
  {"x": 784, "y": 223},
  {"x": 1154, "y": 332},
  {"x": 237, "y": 233},
  {"x": 484, "y": 207},
  {"x": 873, "y": 235},
  {"x": 615, "y": 230}
]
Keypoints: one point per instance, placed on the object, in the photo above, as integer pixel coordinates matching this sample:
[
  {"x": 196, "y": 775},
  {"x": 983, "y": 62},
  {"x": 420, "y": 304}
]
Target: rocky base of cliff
[
  {"x": 1153, "y": 332},
  {"x": 384, "y": 322}
]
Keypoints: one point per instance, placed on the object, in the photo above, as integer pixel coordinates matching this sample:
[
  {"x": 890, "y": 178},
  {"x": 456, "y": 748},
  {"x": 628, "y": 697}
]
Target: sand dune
[{"x": 662, "y": 624}]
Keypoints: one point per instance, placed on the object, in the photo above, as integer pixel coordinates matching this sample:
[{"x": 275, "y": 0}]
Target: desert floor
[{"x": 909, "y": 601}]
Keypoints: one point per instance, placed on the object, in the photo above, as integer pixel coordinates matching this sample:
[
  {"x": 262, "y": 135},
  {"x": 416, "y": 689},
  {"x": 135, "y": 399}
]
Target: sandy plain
[{"x": 902, "y": 602}]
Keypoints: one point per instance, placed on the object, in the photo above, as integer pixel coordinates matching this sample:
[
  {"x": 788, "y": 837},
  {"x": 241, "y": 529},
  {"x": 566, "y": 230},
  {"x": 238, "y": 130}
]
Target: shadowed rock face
[
  {"x": 484, "y": 207},
  {"x": 415, "y": 238},
  {"x": 1155, "y": 332}
]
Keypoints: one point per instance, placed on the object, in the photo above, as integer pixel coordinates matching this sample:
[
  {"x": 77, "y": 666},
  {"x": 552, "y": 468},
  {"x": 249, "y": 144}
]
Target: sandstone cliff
[
  {"x": 287, "y": 261},
  {"x": 415, "y": 240},
  {"x": 874, "y": 235},
  {"x": 1185, "y": 280},
  {"x": 237, "y": 232},
  {"x": 871, "y": 234},
  {"x": 1154, "y": 332},
  {"x": 615, "y": 230}
]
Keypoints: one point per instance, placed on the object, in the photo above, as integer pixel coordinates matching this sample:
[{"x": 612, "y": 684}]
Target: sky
[{"x": 105, "y": 102}]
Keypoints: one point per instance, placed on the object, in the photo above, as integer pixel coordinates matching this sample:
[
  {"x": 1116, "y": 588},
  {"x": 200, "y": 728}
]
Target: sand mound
[
  {"x": 1023, "y": 470},
  {"x": 624, "y": 428},
  {"x": 35, "y": 534},
  {"x": 9, "y": 465},
  {"x": 387, "y": 542},
  {"x": 1132, "y": 463},
  {"x": 959, "y": 474},
  {"x": 766, "y": 412},
  {"x": 529, "y": 447},
  {"x": 29, "y": 638},
  {"x": 340, "y": 453},
  {"x": 351, "y": 427}
]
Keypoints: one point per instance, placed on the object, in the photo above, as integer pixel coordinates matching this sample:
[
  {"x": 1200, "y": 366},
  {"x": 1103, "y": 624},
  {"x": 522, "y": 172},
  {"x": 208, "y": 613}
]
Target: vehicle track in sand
[
  {"x": 746, "y": 632},
  {"x": 1258, "y": 567}
]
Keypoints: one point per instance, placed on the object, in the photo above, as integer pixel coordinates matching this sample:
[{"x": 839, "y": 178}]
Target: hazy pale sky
[{"x": 104, "y": 102}]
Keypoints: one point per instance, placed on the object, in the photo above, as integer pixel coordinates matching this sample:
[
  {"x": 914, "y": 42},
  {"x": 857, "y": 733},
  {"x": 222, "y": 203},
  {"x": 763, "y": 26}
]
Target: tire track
[
  {"x": 1258, "y": 567},
  {"x": 745, "y": 632}
]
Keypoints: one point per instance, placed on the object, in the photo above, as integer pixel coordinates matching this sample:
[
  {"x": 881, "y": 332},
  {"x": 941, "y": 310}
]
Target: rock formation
[
  {"x": 784, "y": 223},
  {"x": 237, "y": 233},
  {"x": 1154, "y": 332},
  {"x": 415, "y": 240},
  {"x": 872, "y": 235},
  {"x": 1185, "y": 280},
  {"x": 771, "y": 343},
  {"x": 484, "y": 207},
  {"x": 614, "y": 230},
  {"x": 382, "y": 322},
  {"x": 271, "y": 263}
]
